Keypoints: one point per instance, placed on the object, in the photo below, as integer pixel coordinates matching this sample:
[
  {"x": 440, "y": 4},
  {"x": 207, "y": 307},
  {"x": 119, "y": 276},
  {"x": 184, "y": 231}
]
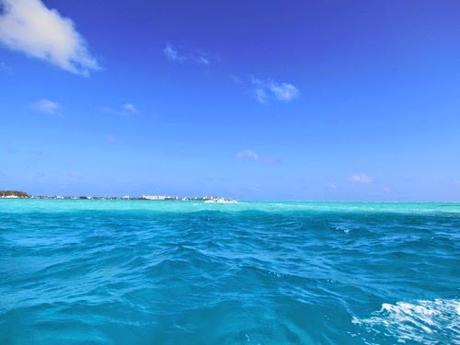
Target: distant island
[
  {"x": 13, "y": 194},
  {"x": 24, "y": 195}
]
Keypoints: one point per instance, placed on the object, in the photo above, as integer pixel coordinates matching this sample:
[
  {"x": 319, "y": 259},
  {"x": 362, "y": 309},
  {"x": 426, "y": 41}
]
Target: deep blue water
[{"x": 135, "y": 272}]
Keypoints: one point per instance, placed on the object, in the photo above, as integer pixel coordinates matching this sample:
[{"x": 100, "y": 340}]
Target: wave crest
[{"x": 424, "y": 321}]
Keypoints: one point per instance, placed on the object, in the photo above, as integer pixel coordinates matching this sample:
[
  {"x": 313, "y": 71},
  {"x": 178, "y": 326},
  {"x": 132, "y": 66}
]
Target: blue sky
[{"x": 316, "y": 100}]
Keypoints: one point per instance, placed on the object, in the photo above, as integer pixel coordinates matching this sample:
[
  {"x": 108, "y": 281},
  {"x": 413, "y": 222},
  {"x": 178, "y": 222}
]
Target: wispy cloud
[
  {"x": 130, "y": 108},
  {"x": 284, "y": 92},
  {"x": 203, "y": 59},
  {"x": 250, "y": 155},
  {"x": 362, "y": 178},
  {"x": 265, "y": 90},
  {"x": 32, "y": 28},
  {"x": 173, "y": 54},
  {"x": 124, "y": 109},
  {"x": 247, "y": 155},
  {"x": 260, "y": 95},
  {"x": 179, "y": 55},
  {"x": 47, "y": 106},
  {"x": 331, "y": 185}
]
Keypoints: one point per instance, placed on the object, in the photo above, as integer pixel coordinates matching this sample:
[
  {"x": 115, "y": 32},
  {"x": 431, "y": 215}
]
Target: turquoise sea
[{"x": 140, "y": 272}]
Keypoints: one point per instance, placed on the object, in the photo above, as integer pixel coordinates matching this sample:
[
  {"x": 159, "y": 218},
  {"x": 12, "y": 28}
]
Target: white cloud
[
  {"x": 32, "y": 28},
  {"x": 46, "y": 106},
  {"x": 178, "y": 55},
  {"x": 130, "y": 108},
  {"x": 265, "y": 90},
  {"x": 362, "y": 178}
]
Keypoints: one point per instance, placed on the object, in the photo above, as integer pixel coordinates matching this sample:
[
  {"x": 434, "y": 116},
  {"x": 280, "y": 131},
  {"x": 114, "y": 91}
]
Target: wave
[{"x": 424, "y": 321}]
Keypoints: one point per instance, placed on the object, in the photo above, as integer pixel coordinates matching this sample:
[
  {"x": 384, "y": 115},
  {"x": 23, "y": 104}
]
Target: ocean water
[{"x": 139, "y": 272}]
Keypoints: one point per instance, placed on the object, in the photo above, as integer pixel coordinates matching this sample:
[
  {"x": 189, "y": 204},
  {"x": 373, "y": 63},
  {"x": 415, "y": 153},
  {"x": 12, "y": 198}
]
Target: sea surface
[{"x": 140, "y": 272}]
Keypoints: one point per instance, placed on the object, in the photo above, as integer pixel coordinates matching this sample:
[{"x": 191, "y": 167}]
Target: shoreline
[{"x": 208, "y": 199}]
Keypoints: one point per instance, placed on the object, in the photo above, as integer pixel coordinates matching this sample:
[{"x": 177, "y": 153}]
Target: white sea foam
[{"x": 424, "y": 321}]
